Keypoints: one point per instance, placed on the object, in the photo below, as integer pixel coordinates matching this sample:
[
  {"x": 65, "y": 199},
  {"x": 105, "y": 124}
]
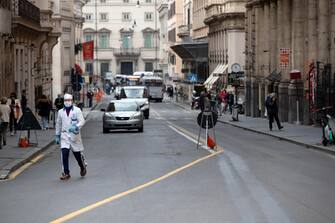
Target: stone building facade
[
  {"x": 125, "y": 35},
  {"x": 163, "y": 40},
  {"x": 69, "y": 16},
  {"x": 226, "y": 40},
  {"x": 286, "y": 35},
  {"x": 175, "y": 20},
  {"x": 35, "y": 34},
  {"x": 6, "y": 49}
]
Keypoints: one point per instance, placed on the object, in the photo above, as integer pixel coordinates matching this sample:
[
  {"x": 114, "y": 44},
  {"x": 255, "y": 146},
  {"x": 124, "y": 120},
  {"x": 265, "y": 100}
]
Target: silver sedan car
[{"x": 122, "y": 114}]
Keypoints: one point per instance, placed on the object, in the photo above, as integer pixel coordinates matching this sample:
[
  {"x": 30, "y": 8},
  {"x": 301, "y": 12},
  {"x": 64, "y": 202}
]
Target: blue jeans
[
  {"x": 45, "y": 121},
  {"x": 65, "y": 159}
]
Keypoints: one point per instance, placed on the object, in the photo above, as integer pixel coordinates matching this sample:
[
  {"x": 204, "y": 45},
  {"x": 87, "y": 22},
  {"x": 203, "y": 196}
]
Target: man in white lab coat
[{"x": 69, "y": 122}]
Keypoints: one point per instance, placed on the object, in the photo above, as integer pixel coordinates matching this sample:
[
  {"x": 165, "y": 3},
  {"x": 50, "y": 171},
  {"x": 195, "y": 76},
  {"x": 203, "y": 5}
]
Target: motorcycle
[{"x": 328, "y": 126}]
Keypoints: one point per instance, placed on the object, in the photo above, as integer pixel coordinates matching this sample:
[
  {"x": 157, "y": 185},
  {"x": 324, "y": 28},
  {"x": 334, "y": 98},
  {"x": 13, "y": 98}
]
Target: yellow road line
[
  {"x": 17, "y": 172},
  {"x": 125, "y": 193}
]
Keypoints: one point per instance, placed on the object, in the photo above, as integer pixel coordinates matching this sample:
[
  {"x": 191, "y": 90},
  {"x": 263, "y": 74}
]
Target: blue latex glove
[
  {"x": 57, "y": 139},
  {"x": 74, "y": 129}
]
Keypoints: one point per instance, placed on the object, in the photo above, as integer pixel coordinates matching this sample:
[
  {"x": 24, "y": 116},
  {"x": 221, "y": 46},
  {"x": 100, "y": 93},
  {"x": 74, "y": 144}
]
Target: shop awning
[
  {"x": 192, "y": 51},
  {"x": 221, "y": 69},
  {"x": 214, "y": 79}
]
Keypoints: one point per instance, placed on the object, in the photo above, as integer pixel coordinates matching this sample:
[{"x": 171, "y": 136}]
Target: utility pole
[
  {"x": 96, "y": 37},
  {"x": 156, "y": 36}
]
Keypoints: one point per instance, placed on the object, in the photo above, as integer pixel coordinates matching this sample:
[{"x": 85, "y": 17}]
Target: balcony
[
  {"x": 216, "y": 9},
  {"x": 26, "y": 11},
  {"x": 183, "y": 31},
  {"x": 46, "y": 20},
  {"x": 56, "y": 26},
  {"x": 126, "y": 52}
]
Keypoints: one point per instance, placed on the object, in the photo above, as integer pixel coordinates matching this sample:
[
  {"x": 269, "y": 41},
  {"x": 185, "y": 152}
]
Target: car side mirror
[{"x": 103, "y": 110}]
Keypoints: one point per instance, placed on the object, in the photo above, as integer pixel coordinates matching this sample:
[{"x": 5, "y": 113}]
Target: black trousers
[
  {"x": 274, "y": 116},
  {"x": 65, "y": 159}
]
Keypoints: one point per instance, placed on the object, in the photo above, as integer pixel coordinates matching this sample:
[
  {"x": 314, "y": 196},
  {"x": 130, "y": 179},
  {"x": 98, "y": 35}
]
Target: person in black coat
[
  {"x": 272, "y": 110},
  {"x": 59, "y": 102},
  {"x": 44, "y": 108}
]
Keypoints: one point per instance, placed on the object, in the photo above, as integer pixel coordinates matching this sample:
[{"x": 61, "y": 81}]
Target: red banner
[{"x": 88, "y": 49}]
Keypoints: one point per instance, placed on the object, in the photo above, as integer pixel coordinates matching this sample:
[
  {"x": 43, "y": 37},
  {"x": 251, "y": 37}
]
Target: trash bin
[{"x": 235, "y": 112}]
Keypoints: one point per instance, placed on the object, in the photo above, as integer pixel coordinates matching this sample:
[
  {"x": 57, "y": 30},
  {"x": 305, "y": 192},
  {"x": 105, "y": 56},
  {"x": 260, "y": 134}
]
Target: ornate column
[
  {"x": 323, "y": 30},
  {"x": 256, "y": 63},
  {"x": 295, "y": 91},
  {"x": 312, "y": 50},
  {"x": 286, "y": 43},
  {"x": 248, "y": 61},
  {"x": 273, "y": 36}
]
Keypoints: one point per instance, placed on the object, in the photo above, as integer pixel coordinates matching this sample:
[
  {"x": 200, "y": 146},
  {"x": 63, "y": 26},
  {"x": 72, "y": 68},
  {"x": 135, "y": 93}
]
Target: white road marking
[{"x": 192, "y": 139}]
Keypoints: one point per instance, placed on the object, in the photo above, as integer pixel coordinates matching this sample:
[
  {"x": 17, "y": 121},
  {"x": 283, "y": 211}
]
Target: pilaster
[{"x": 282, "y": 101}]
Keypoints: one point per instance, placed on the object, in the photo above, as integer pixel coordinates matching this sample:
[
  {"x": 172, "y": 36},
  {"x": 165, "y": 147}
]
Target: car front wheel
[
  {"x": 140, "y": 129},
  {"x": 105, "y": 130}
]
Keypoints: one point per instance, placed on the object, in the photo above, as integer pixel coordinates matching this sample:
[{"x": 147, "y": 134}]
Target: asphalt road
[{"x": 255, "y": 179}]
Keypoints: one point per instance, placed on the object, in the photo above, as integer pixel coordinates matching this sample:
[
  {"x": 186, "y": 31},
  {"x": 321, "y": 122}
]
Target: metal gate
[{"x": 321, "y": 87}]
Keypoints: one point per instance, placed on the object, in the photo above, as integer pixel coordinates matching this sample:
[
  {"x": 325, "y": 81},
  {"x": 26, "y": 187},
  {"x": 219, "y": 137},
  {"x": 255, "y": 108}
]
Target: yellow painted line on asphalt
[
  {"x": 128, "y": 192},
  {"x": 17, "y": 172}
]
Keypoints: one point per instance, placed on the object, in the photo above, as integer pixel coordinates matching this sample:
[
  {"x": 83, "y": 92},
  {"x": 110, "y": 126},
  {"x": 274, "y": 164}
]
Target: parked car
[
  {"x": 138, "y": 94},
  {"x": 122, "y": 114}
]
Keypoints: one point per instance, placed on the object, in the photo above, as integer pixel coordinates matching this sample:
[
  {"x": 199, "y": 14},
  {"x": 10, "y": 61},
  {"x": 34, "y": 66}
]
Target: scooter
[{"x": 328, "y": 126}]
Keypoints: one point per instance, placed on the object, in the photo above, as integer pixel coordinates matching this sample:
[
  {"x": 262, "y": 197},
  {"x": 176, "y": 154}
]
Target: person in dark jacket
[
  {"x": 272, "y": 110},
  {"x": 90, "y": 95},
  {"x": 44, "y": 108},
  {"x": 230, "y": 99},
  {"x": 59, "y": 102},
  {"x": 24, "y": 100}
]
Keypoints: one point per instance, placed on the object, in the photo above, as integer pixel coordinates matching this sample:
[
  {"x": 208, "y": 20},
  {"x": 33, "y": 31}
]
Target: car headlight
[
  {"x": 109, "y": 117},
  {"x": 137, "y": 116}
]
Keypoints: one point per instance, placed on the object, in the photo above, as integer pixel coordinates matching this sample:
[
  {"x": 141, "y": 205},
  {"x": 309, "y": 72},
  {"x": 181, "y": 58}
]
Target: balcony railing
[
  {"x": 215, "y": 8},
  {"x": 183, "y": 30},
  {"x": 26, "y": 10},
  {"x": 126, "y": 51}
]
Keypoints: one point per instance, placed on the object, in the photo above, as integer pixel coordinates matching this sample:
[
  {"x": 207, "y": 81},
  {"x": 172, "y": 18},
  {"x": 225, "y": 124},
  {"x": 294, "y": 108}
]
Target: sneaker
[
  {"x": 281, "y": 127},
  {"x": 83, "y": 171},
  {"x": 4, "y": 143},
  {"x": 65, "y": 176},
  {"x": 12, "y": 134}
]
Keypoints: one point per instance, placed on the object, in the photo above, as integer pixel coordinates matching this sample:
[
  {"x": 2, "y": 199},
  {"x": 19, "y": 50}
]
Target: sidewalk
[
  {"x": 13, "y": 157},
  {"x": 308, "y": 136}
]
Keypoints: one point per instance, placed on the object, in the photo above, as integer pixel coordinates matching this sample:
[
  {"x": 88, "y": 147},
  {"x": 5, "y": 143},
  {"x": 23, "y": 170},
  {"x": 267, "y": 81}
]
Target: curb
[
  {"x": 17, "y": 163},
  {"x": 308, "y": 146}
]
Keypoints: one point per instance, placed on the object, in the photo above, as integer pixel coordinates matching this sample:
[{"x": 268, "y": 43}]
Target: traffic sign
[{"x": 205, "y": 118}]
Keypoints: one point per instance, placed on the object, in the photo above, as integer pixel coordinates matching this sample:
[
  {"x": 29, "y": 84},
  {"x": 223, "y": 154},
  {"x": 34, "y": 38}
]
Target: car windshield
[
  {"x": 122, "y": 106},
  {"x": 133, "y": 93}
]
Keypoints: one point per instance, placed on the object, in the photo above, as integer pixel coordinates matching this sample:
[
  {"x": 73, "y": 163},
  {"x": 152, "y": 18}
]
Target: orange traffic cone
[{"x": 210, "y": 142}]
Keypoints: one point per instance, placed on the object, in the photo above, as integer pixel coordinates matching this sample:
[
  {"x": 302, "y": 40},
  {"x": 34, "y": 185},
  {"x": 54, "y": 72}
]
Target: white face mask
[{"x": 67, "y": 104}]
